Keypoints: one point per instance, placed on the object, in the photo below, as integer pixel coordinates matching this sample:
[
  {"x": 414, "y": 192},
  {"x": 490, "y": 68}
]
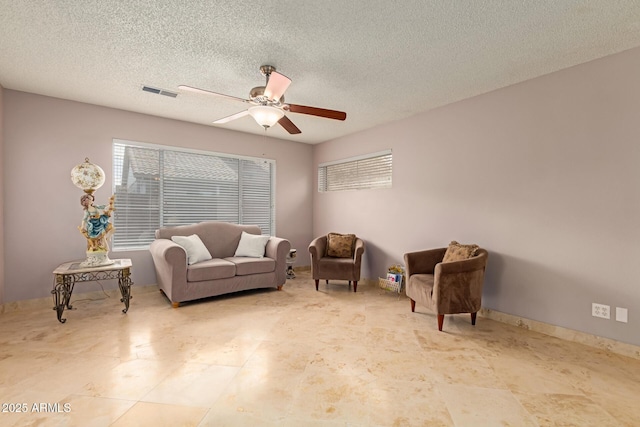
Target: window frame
[
  {"x": 118, "y": 172},
  {"x": 351, "y": 166}
]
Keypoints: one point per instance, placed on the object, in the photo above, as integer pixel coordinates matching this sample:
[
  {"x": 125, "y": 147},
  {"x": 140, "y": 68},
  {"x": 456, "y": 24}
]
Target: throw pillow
[
  {"x": 196, "y": 250},
  {"x": 252, "y": 245},
  {"x": 340, "y": 245},
  {"x": 458, "y": 252}
]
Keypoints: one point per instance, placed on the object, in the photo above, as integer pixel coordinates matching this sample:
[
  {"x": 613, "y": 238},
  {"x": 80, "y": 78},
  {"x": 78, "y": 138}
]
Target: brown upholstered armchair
[
  {"x": 339, "y": 262},
  {"x": 446, "y": 287}
]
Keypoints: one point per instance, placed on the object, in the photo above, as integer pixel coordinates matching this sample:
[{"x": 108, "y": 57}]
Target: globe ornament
[{"x": 87, "y": 176}]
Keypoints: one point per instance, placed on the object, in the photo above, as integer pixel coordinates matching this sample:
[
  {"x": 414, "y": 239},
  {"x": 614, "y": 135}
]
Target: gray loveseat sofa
[{"x": 224, "y": 273}]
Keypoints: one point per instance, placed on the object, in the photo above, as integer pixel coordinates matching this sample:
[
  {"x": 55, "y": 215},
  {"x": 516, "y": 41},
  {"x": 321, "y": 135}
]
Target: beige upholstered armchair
[
  {"x": 336, "y": 257},
  {"x": 447, "y": 280}
]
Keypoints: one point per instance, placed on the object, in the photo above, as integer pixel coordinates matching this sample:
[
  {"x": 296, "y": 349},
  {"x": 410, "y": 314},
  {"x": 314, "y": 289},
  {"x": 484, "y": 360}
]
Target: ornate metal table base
[{"x": 70, "y": 273}]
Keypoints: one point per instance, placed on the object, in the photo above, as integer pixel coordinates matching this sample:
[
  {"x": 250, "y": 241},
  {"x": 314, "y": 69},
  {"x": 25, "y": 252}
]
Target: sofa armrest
[
  {"x": 358, "y": 250},
  {"x": 423, "y": 262},
  {"x": 278, "y": 248},
  {"x": 464, "y": 277},
  {"x": 170, "y": 261},
  {"x": 317, "y": 250},
  {"x": 318, "y": 247},
  {"x": 357, "y": 257},
  {"x": 477, "y": 262}
]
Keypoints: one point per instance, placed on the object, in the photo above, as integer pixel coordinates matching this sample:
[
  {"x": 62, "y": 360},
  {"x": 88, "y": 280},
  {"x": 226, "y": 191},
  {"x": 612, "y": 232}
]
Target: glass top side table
[{"x": 70, "y": 273}]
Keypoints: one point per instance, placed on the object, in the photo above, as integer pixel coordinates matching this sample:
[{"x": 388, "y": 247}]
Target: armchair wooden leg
[
  {"x": 317, "y": 281},
  {"x": 440, "y": 321},
  {"x": 413, "y": 305},
  {"x": 327, "y": 281},
  {"x": 473, "y": 318},
  {"x": 175, "y": 304},
  {"x": 355, "y": 285}
]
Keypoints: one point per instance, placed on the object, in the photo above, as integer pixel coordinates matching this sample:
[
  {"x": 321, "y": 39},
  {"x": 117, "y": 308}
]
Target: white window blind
[
  {"x": 160, "y": 186},
  {"x": 357, "y": 173}
]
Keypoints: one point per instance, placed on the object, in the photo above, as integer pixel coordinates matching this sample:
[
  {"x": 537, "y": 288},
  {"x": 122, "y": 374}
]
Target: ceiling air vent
[{"x": 159, "y": 91}]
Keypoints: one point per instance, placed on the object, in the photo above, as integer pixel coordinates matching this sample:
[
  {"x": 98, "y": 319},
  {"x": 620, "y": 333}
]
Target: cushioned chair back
[{"x": 220, "y": 238}]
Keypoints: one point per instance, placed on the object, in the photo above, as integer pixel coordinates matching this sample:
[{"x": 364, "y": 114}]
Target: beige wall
[
  {"x": 544, "y": 174},
  {"x": 46, "y": 137},
  {"x": 1, "y": 196}
]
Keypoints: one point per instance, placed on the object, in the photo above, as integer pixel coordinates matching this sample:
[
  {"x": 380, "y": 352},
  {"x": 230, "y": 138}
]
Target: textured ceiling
[{"x": 378, "y": 60}]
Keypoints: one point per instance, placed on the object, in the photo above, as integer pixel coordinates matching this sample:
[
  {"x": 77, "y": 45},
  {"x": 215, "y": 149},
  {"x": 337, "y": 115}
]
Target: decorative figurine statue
[{"x": 96, "y": 225}]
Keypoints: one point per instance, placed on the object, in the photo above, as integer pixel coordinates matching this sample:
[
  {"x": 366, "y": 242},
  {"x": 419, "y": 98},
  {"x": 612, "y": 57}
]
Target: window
[
  {"x": 159, "y": 186},
  {"x": 357, "y": 173}
]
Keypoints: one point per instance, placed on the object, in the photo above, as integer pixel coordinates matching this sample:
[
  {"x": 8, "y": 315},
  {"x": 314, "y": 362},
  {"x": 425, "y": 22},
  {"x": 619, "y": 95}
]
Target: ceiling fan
[{"x": 268, "y": 106}]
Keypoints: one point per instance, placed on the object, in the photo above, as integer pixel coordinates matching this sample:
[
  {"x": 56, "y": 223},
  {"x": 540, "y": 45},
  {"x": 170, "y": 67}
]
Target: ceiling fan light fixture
[{"x": 265, "y": 115}]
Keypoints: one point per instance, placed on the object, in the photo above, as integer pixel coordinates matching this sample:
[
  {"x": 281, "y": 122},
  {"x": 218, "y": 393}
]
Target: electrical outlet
[
  {"x": 621, "y": 314},
  {"x": 600, "y": 310}
]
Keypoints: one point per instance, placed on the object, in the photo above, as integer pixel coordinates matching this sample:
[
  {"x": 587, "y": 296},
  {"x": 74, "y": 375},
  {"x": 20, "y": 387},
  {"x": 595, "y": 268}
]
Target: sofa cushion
[
  {"x": 251, "y": 245},
  {"x": 246, "y": 266},
  {"x": 212, "y": 269},
  {"x": 340, "y": 245},
  {"x": 458, "y": 252},
  {"x": 196, "y": 250}
]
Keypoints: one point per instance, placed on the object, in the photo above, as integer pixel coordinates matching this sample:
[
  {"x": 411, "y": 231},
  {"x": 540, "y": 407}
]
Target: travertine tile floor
[{"x": 299, "y": 358}]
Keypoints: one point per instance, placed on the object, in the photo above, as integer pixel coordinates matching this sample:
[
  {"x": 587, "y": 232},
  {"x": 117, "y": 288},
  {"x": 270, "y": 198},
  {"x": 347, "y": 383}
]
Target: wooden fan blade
[
  {"x": 288, "y": 125},
  {"x": 232, "y": 117},
  {"x": 276, "y": 86},
  {"x": 314, "y": 111},
  {"x": 208, "y": 92}
]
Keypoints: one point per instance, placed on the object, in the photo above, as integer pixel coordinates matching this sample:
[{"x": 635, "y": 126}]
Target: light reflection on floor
[{"x": 300, "y": 358}]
